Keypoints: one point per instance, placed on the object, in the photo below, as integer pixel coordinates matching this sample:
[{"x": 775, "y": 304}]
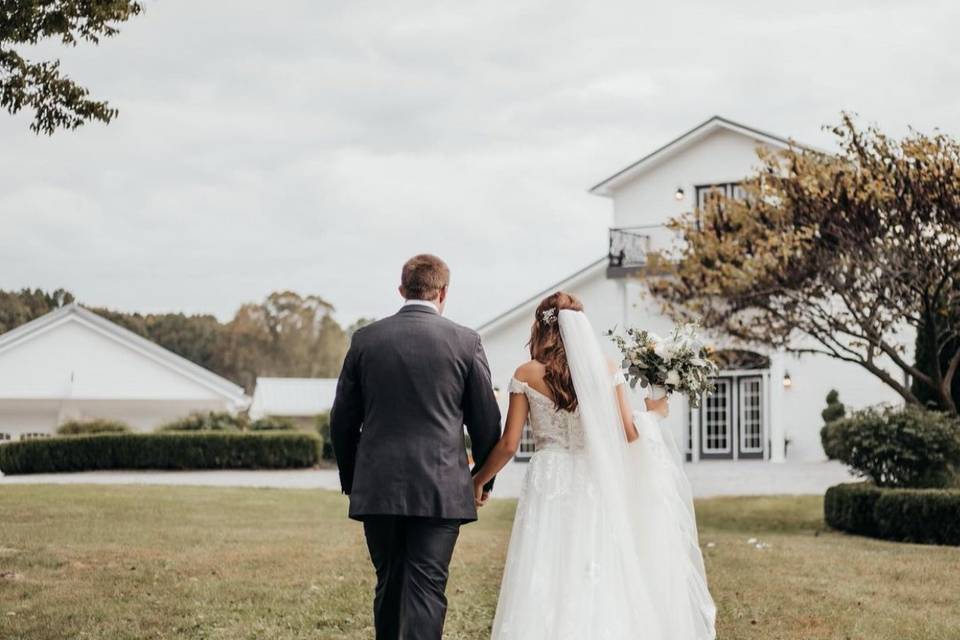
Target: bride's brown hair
[{"x": 546, "y": 347}]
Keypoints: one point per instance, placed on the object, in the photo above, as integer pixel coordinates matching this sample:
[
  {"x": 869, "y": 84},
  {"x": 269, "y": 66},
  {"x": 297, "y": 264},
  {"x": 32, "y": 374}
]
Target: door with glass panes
[{"x": 731, "y": 423}]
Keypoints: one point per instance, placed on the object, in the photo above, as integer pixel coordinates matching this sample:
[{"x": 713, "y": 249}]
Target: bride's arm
[
  {"x": 626, "y": 411},
  {"x": 507, "y": 446}
]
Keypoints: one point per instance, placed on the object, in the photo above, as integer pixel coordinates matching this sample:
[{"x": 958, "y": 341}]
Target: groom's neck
[{"x": 426, "y": 303}]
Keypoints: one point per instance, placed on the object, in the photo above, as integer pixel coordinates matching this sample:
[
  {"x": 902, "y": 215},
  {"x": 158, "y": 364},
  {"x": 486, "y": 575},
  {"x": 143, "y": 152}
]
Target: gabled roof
[
  {"x": 702, "y": 130},
  {"x": 528, "y": 305},
  {"x": 73, "y": 312},
  {"x": 292, "y": 396}
]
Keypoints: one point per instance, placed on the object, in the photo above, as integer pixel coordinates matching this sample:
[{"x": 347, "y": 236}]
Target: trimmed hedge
[
  {"x": 928, "y": 516},
  {"x": 169, "y": 450},
  {"x": 88, "y": 427},
  {"x": 849, "y": 507}
]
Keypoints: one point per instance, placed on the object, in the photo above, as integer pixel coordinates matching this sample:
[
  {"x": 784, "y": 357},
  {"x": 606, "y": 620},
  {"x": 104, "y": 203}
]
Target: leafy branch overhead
[
  {"x": 835, "y": 254},
  {"x": 56, "y": 100}
]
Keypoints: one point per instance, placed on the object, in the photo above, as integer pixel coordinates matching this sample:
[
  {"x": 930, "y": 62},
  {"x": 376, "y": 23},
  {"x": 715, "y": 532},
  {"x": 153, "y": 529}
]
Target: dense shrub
[
  {"x": 900, "y": 447},
  {"x": 87, "y": 427},
  {"x": 323, "y": 429},
  {"x": 209, "y": 421},
  {"x": 929, "y": 516},
  {"x": 925, "y": 359},
  {"x": 272, "y": 423},
  {"x": 169, "y": 450}
]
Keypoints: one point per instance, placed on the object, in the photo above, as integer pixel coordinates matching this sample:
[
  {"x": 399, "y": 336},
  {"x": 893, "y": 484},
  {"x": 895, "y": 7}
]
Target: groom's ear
[
  {"x": 443, "y": 294},
  {"x": 403, "y": 293}
]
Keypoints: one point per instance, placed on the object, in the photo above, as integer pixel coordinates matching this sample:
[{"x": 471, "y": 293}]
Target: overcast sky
[{"x": 314, "y": 146}]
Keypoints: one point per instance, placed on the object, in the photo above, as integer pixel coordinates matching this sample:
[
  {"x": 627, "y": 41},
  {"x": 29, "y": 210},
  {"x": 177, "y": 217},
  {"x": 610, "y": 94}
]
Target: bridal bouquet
[{"x": 679, "y": 363}]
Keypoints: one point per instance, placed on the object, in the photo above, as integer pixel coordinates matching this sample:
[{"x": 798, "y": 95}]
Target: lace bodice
[{"x": 553, "y": 429}]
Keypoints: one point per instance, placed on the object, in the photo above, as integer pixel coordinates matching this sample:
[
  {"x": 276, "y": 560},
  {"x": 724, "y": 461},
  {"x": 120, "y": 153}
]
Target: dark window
[{"x": 725, "y": 189}]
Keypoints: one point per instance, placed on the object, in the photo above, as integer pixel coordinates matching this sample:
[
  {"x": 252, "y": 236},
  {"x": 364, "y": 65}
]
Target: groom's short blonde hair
[{"x": 423, "y": 277}]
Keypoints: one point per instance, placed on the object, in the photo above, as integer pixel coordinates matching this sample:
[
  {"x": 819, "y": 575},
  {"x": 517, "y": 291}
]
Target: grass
[{"x": 151, "y": 562}]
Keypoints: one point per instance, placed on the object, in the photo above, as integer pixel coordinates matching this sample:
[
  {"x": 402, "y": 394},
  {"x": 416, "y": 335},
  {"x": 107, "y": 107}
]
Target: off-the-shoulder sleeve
[
  {"x": 618, "y": 378},
  {"x": 516, "y": 386}
]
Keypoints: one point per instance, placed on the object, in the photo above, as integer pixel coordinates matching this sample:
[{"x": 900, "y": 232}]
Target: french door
[{"x": 731, "y": 423}]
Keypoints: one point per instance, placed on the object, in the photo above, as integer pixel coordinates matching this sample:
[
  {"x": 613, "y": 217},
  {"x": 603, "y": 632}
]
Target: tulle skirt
[{"x": 572, "y": 571}]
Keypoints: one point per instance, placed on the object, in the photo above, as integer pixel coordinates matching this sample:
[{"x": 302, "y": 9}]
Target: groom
[{"x": 409, "y": 384}]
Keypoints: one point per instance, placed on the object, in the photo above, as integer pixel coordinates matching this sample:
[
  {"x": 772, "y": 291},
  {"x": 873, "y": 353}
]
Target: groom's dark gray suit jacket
[{"x": 409, "y": 384}]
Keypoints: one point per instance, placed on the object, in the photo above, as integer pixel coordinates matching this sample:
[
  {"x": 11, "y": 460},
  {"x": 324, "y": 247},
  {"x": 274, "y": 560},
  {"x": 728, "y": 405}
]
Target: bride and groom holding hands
[{"x": 604, "y": 542}]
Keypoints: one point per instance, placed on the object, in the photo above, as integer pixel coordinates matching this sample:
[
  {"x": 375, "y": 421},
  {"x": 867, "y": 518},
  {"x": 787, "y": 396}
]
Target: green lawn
[{"x": 133, "y": 562}]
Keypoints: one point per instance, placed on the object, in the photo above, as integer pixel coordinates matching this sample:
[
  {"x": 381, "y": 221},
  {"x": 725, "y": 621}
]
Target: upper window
[
  {"x": 725, "y": 189},
  {"x": 34, "y": 436},
  {"x": 4, "y": 437}
]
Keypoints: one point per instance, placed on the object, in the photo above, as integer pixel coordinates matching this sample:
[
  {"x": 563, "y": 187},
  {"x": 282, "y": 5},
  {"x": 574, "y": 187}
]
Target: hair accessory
[{"x": 548, "y": 316}]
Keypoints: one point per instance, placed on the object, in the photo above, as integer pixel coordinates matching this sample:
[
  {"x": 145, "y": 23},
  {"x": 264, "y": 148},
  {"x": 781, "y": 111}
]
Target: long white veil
[{"x": 651, "y": 536}]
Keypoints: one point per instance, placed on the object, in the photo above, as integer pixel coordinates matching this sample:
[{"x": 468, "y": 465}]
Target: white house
[
  {"x": 769, "y": 406},
  {"x": 73, "y": 364},
  {"x": 298, "y": 398}
]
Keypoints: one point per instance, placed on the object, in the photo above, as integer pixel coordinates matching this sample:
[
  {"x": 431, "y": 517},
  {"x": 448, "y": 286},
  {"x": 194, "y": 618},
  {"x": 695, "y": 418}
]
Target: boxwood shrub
[
  {"x": 899, "y": 447},
  {"x": 930, "y": 516},
  {"x": 208, "y": 421},
  {"x": 272, "y": 423},
  {"x": 168, "y": 450},
  {"x": 87, "y": 427}
]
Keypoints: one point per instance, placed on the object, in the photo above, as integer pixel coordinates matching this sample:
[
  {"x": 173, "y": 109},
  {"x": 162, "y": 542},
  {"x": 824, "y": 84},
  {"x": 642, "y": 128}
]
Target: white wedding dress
[{"x": 604, "y": 543}]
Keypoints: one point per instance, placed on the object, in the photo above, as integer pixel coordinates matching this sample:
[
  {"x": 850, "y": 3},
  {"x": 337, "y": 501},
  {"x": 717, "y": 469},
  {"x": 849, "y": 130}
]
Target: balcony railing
[{"x": 629, "y": 249}]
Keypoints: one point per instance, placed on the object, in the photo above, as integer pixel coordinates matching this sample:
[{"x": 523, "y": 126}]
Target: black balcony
[{"x": 629, "y": 249}]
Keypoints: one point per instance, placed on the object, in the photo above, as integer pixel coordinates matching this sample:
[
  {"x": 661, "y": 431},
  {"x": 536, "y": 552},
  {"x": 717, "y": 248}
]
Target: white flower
[
  {"x": 673, "y": 377},
  {"x": 752, "y": 541},
  {"x": 664, "y": 350}
]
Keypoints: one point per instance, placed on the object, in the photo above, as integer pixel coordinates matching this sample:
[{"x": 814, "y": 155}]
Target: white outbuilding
[
  {"x": 300, "y": 399},
  {"x": 72, "y": 364},
  {"x": 767, "y": 403}
]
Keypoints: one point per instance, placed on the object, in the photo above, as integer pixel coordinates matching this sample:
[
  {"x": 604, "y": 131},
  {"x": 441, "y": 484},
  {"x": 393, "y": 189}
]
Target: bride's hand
[
  {"x": 480, "y": 496},
  {"x": 660, "y": 406}
]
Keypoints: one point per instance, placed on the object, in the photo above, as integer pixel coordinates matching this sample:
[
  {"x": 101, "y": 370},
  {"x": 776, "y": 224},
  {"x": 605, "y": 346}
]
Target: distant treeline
[{"x": 285, "y": 335}]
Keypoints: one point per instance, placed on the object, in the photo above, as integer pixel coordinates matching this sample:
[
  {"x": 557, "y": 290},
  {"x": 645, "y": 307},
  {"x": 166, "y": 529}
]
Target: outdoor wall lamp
[
  {"x": 787, "y": 380},
  {"x": 679, "y": 194}
]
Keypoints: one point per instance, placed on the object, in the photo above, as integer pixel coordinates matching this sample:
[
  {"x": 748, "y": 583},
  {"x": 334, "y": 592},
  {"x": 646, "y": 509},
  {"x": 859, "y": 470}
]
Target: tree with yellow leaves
[{"x": 834, "y": 254}]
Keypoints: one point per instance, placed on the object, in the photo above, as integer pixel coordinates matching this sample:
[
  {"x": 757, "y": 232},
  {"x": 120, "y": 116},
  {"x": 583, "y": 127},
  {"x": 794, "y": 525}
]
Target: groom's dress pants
[{"x": 412, "y": 557}]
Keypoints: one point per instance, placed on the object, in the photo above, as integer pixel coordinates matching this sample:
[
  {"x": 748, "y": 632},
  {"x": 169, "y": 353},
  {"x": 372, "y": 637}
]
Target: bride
[{"x": 604, "y": 544}]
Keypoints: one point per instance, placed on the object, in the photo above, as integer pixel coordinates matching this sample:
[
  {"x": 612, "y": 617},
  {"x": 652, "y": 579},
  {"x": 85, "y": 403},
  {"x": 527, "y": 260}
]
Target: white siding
[{"x": 647, "y": 199}]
